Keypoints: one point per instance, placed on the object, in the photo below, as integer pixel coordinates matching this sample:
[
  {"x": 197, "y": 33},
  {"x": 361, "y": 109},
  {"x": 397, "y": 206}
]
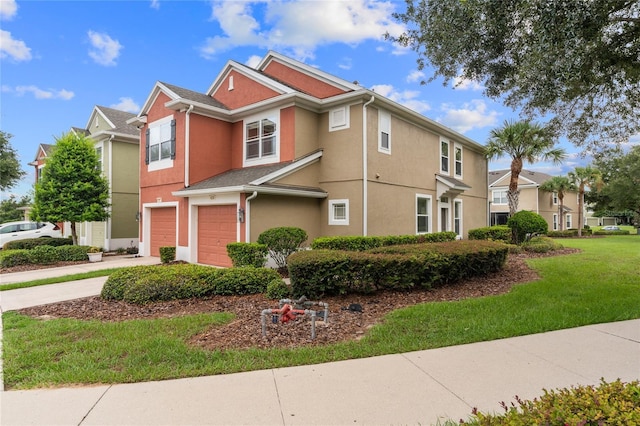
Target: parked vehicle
[
  {"x": 610, "y": 228},
  {"x": 13, "y": 231}
]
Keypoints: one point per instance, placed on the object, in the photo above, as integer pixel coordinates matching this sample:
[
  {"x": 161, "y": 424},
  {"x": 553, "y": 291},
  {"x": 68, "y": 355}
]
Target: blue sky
[{"x": 61, "y": 58}]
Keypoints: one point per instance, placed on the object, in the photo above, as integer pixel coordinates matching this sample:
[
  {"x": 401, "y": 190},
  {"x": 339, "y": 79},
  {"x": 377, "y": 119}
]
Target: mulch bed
[{"x": 245, "y": 330}]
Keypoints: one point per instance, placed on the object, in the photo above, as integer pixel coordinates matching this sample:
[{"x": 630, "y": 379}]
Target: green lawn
[
  {"x": 601, "y": 284},
  {"x": 56, "y": 280}
]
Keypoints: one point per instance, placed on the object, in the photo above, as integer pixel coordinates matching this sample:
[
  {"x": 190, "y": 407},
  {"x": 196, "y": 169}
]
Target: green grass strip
[
  {"x": 56, "y": 280},
  {"x": 598, "y": 285}
]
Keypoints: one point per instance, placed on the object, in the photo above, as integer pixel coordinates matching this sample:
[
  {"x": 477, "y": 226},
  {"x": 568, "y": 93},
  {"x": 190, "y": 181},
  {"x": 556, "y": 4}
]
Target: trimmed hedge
[
  {"x": 525, "y": 223},
  {"x": 10, "y": 258},
  {"x": 541, "y": 245},
  {"x": 620, "y": 232},
  {"x": 359, "y": 243},
  {"x": 151, "y": 283},
  {"x": 615, "y": 403},
  {"x": 42, "y": 255},
  {"x": 316, "y": 273},
  {"x": 494, "y": 233},
  {"x": 247, "y": 254},
  {"x": 31, "y": 243},
  {"x": 568, "y": 233},
  {"x": 167, "y": 254}
]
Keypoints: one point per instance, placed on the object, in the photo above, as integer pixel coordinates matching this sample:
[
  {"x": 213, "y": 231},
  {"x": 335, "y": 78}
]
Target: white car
[{"x": 14, "y": 231}]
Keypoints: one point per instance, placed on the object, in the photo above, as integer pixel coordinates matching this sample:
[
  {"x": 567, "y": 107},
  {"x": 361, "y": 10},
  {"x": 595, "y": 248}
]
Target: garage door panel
[
  {"x": 216, "y": 228},
  {"x": 163, "y": 229}
]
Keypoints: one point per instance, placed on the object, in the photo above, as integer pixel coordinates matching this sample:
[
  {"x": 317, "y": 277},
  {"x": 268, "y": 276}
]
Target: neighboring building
[
  {"x": 532, "y": 198},
  {"x": 286, "y": 144},
  {"x": 44, "y": 150}
]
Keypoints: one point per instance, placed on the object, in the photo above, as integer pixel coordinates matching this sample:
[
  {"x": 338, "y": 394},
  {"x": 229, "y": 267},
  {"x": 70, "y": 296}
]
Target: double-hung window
[
  {"x": 500, "y": 197},
  {"x": 99, "y": 155},
  {"x": 457, "y": 153},
  {"x": 568, "y": 221},
  {"x": 338, "y": 212},
  {"x": 161, "y": 143},
  {"x": 554, "y": 197},
  {"x": 457, "y": 217},
  {"x": 384, "y": 136},
  {"x": 261, "y": 139},
  {"x": 444, "y": 156},
  {"x": 423, "y": 214}
]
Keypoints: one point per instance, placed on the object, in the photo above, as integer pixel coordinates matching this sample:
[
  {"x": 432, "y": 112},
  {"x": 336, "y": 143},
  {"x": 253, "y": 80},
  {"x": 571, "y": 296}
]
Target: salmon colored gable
[
  {"x": 244, "y": 91},
  {"x": 301, "y": 81}
]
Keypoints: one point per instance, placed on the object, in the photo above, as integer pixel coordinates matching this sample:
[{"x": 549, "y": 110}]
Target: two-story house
[
  {"x": 286, "y": 144},
  {"x": 532, "y": 198},
  {"x": 117, "y": 145}
]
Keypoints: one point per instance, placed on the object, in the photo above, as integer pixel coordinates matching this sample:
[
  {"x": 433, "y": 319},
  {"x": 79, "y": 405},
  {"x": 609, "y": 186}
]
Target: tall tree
[
  {"x": 10, "y": 170},
  {"x": 522, "y": 141},
  {"x": 578, "y": 61},
  {"x": 621, "y": 175},
  {"x": 560, "y": 185},
  {"x": 72, "y": 188},
  {"x": 583, "y": 177}
]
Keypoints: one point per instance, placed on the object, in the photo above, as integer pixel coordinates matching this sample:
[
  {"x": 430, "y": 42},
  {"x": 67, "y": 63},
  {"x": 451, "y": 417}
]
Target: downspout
[
  {"x": 365, "y": 198},
  {"x": 108, "y": 222},
  {"x": 247, "y": 216},
  {"x": 186, "y": 146}
]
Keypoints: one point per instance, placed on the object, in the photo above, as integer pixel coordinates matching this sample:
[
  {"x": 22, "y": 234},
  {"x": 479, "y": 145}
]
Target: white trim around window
[
  {"x": 457, "y": 160},
  {"x": 555, "y": 221},
  {"x": 501, "y": 196},
  {"x": 160, "y": 144},
  {"x": 424, "y": 214},
  {"x": 554, "y": 198},
  {"x": 568, "y": 216},
  {"x": 444, "y": 156},
  {"x": 457, "y": 218},
  {"x": 339, "y": 212},
  {"x": 384, "y": 132},
  {"x": 261, "y": 139},
  {"x": 339, "y": 118}
]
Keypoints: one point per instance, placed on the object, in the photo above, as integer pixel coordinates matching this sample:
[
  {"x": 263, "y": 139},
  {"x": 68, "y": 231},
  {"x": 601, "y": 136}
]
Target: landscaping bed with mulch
[{"x": 245, "y": 330}]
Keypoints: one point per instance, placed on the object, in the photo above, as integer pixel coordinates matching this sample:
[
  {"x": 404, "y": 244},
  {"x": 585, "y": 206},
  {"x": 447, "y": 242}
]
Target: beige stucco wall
[
  {"x": 306, "y": 132},
  {"x": 270, "y": 211}
]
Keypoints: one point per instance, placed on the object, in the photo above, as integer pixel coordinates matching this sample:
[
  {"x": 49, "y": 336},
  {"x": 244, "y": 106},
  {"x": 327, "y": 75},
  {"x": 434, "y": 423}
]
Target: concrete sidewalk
[{"x": 421, "y": 387}]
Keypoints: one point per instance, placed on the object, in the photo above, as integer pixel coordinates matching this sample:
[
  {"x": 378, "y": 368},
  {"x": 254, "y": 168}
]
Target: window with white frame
[
  {"x": 423, "y": 214},
  {"x": 568, "y": 216},
  {"x": 384, "y": 133},
  {"x": 554, "y": 197},
  {"x": 339, "y": 119},
  {"x": 338, "y": 212},
  {"x": 457, "y": 157},
  {"x": 160, "y": 147},
  {"x": 444, "y": 156},
  {"x": 99, "y": 155},
  {"x": 555, "y": 221},
  {"x": 457, "y": 217},
  {"x": 500, "y": 197},
  {"x": 261, "y": 139}
]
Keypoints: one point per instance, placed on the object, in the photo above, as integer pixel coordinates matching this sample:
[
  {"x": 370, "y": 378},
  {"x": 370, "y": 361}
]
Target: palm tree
[
  {"x": 560, "y": 185},
  {"x": 582, "y": 177},
  {"x": 522, "y": 141}
]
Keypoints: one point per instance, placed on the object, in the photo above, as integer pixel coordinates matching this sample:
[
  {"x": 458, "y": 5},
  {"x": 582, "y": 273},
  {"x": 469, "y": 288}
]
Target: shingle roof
[
  {"x": 537, "y": 177},
  {"x": 238, "y": 177},
  {"x": 119, "y": 120},
  {"x": 194, "y": 96}
]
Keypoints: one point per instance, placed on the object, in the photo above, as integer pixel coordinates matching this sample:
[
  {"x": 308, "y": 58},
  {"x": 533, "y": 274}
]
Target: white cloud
[
  {"x": 472, "y": 115},
  {"x": 415, "y": 76},
  {"x": 346, "y": 64},
  {"x": 460, "y": 83},
  {"x": 127, "y": 104},
  {"x": 155, "y": 4},
  {"x": 407, "y": 98},
  {"x": 253, "y": 61},
  {"x": 105, "y": 49},
  {"x": 40, "y": 93},
  {"x": 300, "y": 26},
  {"x": 8, "y": 9},
  {"x": 14, "y": 49}
]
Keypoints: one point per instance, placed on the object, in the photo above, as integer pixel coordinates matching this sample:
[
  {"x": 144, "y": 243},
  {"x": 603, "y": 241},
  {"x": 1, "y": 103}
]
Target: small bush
[
  {"x": 16, "y": 257},
  {"x": 615, "y": 403},
  {"x": 359, "y": 243},
  {"x": 281, "y": 242},
  {"x": 31, "y": 243},
  {"x": 43, "y": 255},
  {"x": 167, "y": 254},
  {"x": 247, "y": 280},
  {"x": 277, "y": 290},
  {"x": 541, "y": 245},
  {"x": 493, "y": 233},
  {"x": 247, "y": 254},
  {"x": 525, "y": 223},
  {"x": 72, "y": 253}
]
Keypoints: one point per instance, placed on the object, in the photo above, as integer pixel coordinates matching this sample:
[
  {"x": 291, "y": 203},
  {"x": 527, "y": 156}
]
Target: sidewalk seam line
[
  {"x": 275, "y": 384},
  {"x": 94, "y": 404}
]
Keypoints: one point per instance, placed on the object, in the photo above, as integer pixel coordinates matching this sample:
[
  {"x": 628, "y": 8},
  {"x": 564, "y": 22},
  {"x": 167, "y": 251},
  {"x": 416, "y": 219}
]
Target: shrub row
[
  {"x": 494, "y": 233},
  {"x": 358, "y": 243},
  {"x": 247, "y": 254},
  {"x": 620, "y": 232},
  {"x": 316, "y": 273},
  {"x": 568, "y": 233},
  {"x": 150, "y": 283},
  {"x": 541, "y": 245},
  {"x": 42, "y": 255},
  {"x": 614, "y": 403},
  {"x": 30, "y": 243}
]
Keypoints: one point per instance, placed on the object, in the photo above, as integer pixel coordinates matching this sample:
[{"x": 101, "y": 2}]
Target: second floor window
[
  {"x": 384, "y": 140},
  {"x": 444, "y": 156},
  {"x": 260, "y": 139},
  {"x": 161, "y": 141},
  {"x": 99, "y": 155},
  {"x": 500, "y": 197},
  {"x": 458, "y": 161}
]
